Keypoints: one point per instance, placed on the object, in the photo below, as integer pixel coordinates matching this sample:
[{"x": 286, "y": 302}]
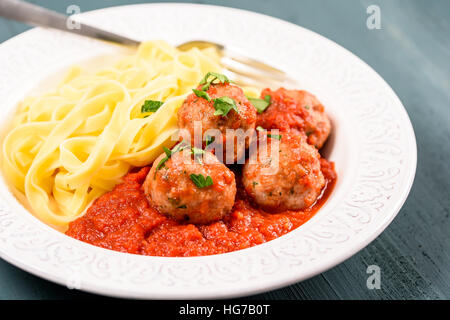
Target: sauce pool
[{"x": 124, "y": 220}]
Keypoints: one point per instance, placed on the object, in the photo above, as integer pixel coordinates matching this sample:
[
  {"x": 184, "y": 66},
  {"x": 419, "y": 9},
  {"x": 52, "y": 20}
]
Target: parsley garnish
[
  {"x": 260, "y": 104},
  {"x": 179, "y": 147},
  {"x": 210, "y": 77},
  {"x": 223, "y": 105},
  {"x": 167, "y": 151},
  {"x": 151, "y": 106},
  {"x": 200, "y": 181},
  {"x": 275, "y": 136},
  {"x": 307, "y": 107},
  {"x": 176, "y": 203},
  {"x": 202, "y": 94}
]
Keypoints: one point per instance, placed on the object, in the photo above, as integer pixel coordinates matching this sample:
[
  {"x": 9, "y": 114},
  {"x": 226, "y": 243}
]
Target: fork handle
[{"x": 38, "y": 16}]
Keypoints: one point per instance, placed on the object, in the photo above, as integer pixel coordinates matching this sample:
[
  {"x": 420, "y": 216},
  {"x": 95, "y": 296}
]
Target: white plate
[{"x": 373, "y": 145}]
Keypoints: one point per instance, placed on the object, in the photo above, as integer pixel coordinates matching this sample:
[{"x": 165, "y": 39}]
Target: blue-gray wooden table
[{"x": 411, "y": 51}]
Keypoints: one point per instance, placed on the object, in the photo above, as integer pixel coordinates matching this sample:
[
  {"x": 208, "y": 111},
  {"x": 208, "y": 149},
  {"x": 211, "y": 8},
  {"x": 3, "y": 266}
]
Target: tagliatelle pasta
[{"x": 69, "y": 146}]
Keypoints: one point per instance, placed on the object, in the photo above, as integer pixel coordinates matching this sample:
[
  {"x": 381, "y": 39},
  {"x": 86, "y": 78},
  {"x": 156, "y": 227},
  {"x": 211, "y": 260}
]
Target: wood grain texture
[{"x": 412, "y": 53}]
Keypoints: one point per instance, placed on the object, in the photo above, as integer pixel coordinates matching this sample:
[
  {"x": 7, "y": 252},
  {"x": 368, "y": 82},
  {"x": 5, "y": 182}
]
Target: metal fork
[{"x": 245, "y": 71}]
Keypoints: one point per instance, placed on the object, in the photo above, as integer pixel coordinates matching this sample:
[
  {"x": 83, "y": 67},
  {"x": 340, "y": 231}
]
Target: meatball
[
  {"x": 296, "y": 109},
  {"x": 172, "y": 189},
  {"x": 296, "y": 184},
  {"x": 199, "y": 109}
]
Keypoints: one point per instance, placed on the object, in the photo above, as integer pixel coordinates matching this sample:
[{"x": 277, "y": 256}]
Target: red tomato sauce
[{"x": 123, "y": 220}]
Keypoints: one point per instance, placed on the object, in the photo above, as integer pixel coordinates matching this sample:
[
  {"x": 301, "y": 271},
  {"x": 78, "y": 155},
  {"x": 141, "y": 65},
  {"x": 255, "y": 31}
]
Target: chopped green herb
[
  {"x": 161, "y": 164},
  {"x": 165, "y": 177},
  {"x": 200, "y": 181},
  {"x": 167, "y": 151},
  {"x": 151, "y": 106},
  {"x": 307, "y": 107},
  {"x": 274, "y": 136},
  {"x": 183, "y": 206},
  {"x": 209, "y": 140},
  {"x": 202, "y": 94},
  {"x": 180, "y": 147},
  {"x": 197, "y": 152},
  {"x": 223, "y": 105},
  {"x": 255, "y": 183},
  {"x": 210, "y": 77},
  {"x": 308, "y": 133},
  {"x": 260, "y": 104}
]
